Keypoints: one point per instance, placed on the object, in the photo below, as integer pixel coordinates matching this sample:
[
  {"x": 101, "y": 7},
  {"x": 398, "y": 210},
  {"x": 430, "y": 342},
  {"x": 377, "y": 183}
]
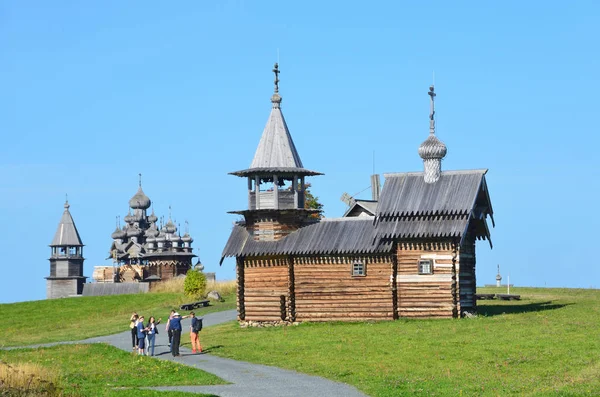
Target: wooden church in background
[{"x": 414, "y": 258}]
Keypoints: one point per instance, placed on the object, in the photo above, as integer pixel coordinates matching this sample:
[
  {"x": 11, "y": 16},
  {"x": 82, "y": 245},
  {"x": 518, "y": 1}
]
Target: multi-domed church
[
  {"x": 414, "y": 257},
  {"x": 146, "y": 248}
]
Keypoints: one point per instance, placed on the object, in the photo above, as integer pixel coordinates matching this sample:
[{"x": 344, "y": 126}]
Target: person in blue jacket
[
  {"x": 141, "y": 334},
  {"x": 175, "y": 326}
]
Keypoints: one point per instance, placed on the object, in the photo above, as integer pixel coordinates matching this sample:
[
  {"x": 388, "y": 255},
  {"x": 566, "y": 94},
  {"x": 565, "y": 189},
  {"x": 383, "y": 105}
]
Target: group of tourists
[{"x": 143, "y": 335}]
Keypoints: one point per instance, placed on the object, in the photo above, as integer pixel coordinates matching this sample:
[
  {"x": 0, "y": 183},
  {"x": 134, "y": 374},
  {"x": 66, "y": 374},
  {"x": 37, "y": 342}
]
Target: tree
[
  {"x": 194, "y": 285},
  {"x": 312, "y": 202}
]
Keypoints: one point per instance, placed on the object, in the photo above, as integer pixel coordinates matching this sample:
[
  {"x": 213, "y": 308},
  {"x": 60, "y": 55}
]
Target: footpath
[{"x": 246, "y": 379}]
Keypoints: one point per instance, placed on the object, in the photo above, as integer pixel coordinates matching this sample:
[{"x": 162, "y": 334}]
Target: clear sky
[{"x": 93, "y": 93}]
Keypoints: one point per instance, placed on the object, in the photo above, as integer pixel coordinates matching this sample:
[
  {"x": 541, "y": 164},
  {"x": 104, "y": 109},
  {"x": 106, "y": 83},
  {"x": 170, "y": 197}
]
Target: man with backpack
[{"x": 196, "y": 327}]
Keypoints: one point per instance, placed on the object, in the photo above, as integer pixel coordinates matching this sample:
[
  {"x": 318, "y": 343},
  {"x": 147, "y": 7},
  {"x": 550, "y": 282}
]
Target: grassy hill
[
  {"x": 79, "y": 318},
  {"x": 545, "y": 344}
]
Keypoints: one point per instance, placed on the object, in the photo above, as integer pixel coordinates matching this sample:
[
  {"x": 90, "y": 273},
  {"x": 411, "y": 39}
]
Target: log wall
[
  {"x": 426, "y": 295},
  {"x": 265, "y": 289},
  {"x": 467, "y": 281},
  {"x": 325, "y": 289}
]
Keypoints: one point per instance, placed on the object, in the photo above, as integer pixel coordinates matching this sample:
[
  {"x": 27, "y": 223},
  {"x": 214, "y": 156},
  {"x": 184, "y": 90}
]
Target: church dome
[
  {"x": 170, "y": 227},
  {"x": 151, "y": 239},
  {"x": 118, "y": 234},
  {"x": 140, "y": 200},
  {"x": 152, "y": 218},
  {"x": 152, "y": 231},
  {"x": 134, "y": 231},
  {"x": 129, "y": 218},
  {"x": 432, "y": 148},
  {"x": 175, "y": 239},
  {"x": 187, "y": 238}
]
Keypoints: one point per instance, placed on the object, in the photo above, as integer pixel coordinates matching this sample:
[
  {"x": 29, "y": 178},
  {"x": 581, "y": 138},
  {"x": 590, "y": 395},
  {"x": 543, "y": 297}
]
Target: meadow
[
  {"x": 92, "y": 370},
  {"x": 545, "y": 344},
  {"x": 54, "y": 320}
]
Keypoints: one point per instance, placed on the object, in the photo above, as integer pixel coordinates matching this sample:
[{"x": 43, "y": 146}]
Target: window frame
[
  {"x": 362, "y": 271},
  {"x": 420, "y": 267}
]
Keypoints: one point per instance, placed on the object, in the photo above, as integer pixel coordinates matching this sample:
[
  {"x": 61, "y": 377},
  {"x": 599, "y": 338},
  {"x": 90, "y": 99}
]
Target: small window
[
  {"x": 425, "y": 266},
  {"x": 358, "y": 269}
]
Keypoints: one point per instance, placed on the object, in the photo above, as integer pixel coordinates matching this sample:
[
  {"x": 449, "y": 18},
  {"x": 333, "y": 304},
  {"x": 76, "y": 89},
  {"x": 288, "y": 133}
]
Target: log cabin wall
[
  {"x": 325, "y": 289},
  {"x": 265, "y": 289},
  {"x": 466, "y": 280},
  {"x": 426, "y": 295}
]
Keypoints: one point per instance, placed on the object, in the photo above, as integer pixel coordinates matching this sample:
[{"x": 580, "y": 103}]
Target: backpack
[{"x": 198, "y": 325}]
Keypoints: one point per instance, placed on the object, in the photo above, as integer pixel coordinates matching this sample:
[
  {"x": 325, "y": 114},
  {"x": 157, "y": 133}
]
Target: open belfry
[{"x": 414, "y": 258}]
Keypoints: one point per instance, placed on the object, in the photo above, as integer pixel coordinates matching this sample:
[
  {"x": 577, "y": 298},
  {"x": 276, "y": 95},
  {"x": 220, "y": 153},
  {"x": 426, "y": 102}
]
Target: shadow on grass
[{"x": 487, "y": 309}]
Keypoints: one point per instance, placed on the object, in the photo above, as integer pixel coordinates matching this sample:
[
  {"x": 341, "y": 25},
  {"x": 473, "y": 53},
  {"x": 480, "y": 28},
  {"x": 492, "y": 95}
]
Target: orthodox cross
[
  {"x": 140, "y": 175},
  {"x": 432, "y": 107},
  {"x": 276, "y": 71}
]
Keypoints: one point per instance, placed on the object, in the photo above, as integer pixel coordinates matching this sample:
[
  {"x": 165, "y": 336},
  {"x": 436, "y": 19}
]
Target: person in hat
[{"x": 175, "y": 326}]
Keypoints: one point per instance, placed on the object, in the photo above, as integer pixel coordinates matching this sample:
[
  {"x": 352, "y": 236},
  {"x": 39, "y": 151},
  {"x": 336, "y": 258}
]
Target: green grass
[
  {"x": 545, "y": 344},
  {"x": 100, "y": 370},
  {"x": 53, "y": 320}
]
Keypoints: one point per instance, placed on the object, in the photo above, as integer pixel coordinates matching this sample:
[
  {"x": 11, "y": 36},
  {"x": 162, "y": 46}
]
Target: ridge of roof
[{"x": 451, "y": 172}]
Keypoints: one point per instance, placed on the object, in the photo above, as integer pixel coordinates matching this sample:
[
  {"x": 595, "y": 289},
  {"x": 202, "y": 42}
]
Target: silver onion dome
[
  {"x": 118, "y": 234},
  {"x": 140, "y": 200},
  {"x": 133, "y": 231},
  {"x": 187, "y": 238},
  {"x": 170, "y": 227},
  {"x": 152, "y": 218},
  {"x": 432, "y": 148}
]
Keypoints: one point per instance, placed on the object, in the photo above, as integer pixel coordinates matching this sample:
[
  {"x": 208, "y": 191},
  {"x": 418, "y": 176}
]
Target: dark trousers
[
  {"x": 134, "y": 338},
  {"x": 170, "y": 333},
  {"x": 175, "y": 342}
]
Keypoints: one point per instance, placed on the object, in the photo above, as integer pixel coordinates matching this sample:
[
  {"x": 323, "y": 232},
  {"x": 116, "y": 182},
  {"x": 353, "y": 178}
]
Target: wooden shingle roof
[{"x": 66, "y": 233}]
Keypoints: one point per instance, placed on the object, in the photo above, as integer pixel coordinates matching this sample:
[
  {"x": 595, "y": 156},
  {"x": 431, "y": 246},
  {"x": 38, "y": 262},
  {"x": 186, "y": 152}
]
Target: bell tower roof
[
  {"x": 276, "y": 151},
  {"x": 66, "y": 233}
]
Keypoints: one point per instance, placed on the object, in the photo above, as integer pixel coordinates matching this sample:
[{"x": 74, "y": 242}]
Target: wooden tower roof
[{"x": 66, "y": 233}]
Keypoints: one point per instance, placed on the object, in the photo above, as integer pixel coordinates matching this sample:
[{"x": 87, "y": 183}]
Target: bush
[{"x": 194, "y": 285}]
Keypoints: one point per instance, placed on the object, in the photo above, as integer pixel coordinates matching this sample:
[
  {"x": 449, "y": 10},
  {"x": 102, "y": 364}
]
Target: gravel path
[{"x": 247, "y": 380}]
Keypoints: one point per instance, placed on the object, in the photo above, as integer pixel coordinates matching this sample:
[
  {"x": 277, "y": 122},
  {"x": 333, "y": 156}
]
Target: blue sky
[{"x": 94, "y": 93}]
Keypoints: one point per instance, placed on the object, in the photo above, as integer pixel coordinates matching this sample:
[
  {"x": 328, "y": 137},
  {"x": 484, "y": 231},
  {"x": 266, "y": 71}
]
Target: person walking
[
  {"x": 169, "y": 330},
  {"x": 152, "y": 332},
  {"x": 133, "y": 325},
  {"x": 141, "y": 335},
  {"x": 195, "y": 329}
]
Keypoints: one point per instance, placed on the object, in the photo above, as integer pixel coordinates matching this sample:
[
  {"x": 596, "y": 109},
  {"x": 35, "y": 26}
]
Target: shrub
[{"x": 194, "y": 284}]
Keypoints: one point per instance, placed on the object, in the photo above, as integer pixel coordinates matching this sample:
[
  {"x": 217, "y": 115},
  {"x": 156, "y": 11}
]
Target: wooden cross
[
  {"x": 276, "y": 71},
  {"x": 432, "y": 107}
]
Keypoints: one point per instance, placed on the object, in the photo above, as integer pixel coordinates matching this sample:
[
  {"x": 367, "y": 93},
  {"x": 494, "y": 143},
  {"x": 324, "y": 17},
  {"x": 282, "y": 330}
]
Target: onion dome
[
  {"x": 170, "y": 227},
  {"x": 152, "y": 218},
  {"x": 432, "y": 148},
  {"x": 152, "y": 231},
  {"x": 161, "y": 237},
  {"x": 118, "y": 234},
  {"x": 129, "y": 218},
  {"x": 134, "y": 231},
  {"x": 140, "y": 200},
  {"x": 187, "y": 238},
  {"x": 151, "y": 239},
  {"x": 175, "y": 238},
  {"x": 199, "y": 266}
]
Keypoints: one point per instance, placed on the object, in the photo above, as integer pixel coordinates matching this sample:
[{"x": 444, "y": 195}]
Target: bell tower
[
  {"x": 276, "y": 180},
  {"x": 66, "y": 260}
]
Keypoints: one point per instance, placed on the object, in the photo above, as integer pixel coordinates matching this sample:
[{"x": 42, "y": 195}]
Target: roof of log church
[{"x": 408, "y": 209}]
